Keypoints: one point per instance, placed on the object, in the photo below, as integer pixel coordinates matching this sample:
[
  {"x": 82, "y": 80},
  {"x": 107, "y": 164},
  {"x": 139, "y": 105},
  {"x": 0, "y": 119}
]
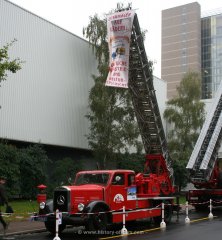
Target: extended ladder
[
  {"x": 204, "y": 155},
  {"x": 144, "y": 98}
]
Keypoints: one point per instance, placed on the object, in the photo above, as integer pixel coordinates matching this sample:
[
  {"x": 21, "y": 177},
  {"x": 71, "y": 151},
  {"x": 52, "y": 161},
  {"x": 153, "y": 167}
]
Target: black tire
[
  {"x": 98, "y": 220},
  {"x": 201, "y": 207},
  {"x": 50, "y": 226},
  {"x": 168, "y": 212},
  {"x": 131, "y": 224},
  {"x": 220, "y": 180}
]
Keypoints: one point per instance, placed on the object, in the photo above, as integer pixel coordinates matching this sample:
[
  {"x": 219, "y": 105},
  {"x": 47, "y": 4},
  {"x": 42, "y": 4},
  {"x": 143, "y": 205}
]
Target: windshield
[{"x": 92, "y": 178}]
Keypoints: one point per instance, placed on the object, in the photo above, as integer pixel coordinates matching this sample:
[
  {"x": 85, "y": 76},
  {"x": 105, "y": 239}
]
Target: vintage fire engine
[
  {"x": 97, "y": 198},
  {"x": 205, "y": 166}
]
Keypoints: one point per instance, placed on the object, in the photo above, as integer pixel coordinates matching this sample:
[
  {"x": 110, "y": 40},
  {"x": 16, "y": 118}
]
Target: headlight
[
  {"x": 42, "y": 205},
  {"x": 81, "y": 207}
]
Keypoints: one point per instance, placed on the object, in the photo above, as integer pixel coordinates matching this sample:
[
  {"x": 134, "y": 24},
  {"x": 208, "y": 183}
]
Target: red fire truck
[
  {"x": 97, "y": 198},
  {"x": 205, "y": 165}
]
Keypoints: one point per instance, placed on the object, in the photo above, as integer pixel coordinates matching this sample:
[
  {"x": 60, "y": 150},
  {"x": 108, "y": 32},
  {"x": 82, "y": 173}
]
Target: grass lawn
[
  {"x": 183, "y": 199},
  {"x": 23, "y": 209}
]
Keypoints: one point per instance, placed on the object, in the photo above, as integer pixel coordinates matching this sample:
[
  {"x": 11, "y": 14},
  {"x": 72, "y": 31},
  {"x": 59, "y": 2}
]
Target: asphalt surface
[{"x": 22, "y": 227}]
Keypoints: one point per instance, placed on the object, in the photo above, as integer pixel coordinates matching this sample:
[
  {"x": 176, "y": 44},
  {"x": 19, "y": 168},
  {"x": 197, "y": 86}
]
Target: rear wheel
[
  {"x": 167, "y": 214},
  {"x": 201, "y": 207},
  {"x": 98, "y": 220},
  {"x": 220, "y": 180}
]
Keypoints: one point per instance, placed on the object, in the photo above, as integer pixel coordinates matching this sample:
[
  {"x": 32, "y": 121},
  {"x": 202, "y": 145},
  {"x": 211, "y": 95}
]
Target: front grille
[{"x": 61, "y": 199}]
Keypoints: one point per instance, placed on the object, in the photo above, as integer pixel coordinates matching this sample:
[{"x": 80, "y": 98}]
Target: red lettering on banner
[
  {"x": 118, "y": 28},
  {"x": 121, "y": 63},
  {"x": 125, "y": 15},
  {"x": 121, "y": 69},
  {"x": 117, "y": 21},
  {"x": 116, "y": 74}
]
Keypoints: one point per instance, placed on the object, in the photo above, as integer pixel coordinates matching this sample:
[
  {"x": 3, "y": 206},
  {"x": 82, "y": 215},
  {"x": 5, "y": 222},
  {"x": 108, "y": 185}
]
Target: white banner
[{"x": 119, "y": 28}]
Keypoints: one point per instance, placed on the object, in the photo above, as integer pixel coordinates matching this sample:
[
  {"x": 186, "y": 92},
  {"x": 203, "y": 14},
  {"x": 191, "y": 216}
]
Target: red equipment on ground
[{"x": 205, "y": 166}]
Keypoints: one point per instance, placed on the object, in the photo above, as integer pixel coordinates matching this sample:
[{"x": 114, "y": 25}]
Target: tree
[
  {"x": 8, "y": 154},
  {"x": 33, "y": 162},
  {"x": 185, "y": 113},
  {"x": 65, "y": 170},
  {"x": 133, "y": 161},
  {"x": 6, "y": 64},
  {"x": 9, "y": 167},
  {"x": 113, "y": 128}
]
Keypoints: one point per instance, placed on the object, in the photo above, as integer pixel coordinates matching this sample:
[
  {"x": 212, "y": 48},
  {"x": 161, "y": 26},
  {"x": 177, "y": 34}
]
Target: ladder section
[
  {"x": 144, "y": 98},
  {"x": 204, "y": 155},
  {"x": 210, "y": 156}
]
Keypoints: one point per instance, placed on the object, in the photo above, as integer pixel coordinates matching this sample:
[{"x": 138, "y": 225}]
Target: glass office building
[{"x": 211, "y": 54}]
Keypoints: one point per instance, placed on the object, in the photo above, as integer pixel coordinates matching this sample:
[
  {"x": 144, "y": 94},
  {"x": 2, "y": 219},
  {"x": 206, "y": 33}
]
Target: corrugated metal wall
[{"x": 47, "y": 100}]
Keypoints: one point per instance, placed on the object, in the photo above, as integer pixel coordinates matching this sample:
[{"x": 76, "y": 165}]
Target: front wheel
[
  {"x": 51, "y": 227},
  {"x": 97, "y": 220}
]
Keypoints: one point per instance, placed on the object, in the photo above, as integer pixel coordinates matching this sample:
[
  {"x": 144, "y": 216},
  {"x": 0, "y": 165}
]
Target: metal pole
[
  {"x": 124, "y": 230},
  {"x": 187, "y": 220},
  {"x": 162, "y": 224},
  {"x": 210, "y": 216},
  {"x": 57, "y": 226}
]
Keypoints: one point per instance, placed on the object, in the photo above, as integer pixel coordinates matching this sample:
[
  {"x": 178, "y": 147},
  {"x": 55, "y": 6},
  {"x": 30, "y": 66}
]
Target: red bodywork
[
  {"x": 207, "y": 190},
  {"x": 213, "y": 181},
  {"x": 135, "y": 191},
  {"x": 155, "y": 181}
]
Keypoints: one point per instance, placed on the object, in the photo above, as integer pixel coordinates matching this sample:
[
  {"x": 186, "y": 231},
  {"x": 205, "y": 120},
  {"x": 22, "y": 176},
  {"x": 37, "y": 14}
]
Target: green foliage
[
  {"x": 9, "y": 167},
  {"x": 96, "y": 33},
  {"x": 185, "y": 113},
  {"x": 131, "y": 161},
  {"x": 24, "y": 169},
  {"x": 33, "y": 161},
  {"x": 65, "y": 170},
  {"x": 7, "y": 65},
  {"x": 113, "y": 128}
]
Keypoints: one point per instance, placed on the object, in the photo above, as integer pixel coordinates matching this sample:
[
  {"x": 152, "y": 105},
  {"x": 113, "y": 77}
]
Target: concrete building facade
[
  {"x": 191, "y": 41},
  {"x": 46, "y": 101},
  {"x": 181, "y": 44}
]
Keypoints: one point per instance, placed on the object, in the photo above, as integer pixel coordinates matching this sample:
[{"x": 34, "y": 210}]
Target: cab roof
[{"x": 108, "y": 171}]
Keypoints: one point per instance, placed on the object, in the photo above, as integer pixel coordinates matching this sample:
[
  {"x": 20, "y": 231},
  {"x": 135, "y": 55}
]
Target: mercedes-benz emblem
[{"x": 61, "y": 200}]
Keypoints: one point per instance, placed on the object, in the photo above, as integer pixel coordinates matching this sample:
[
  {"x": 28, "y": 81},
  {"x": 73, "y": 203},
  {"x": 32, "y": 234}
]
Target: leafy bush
[
  {"x": 33, "y": 161},
  {"x": 65, "y": 171},
  {"x": 132, "y": 161},
  {"x": 9, "y": 167}
]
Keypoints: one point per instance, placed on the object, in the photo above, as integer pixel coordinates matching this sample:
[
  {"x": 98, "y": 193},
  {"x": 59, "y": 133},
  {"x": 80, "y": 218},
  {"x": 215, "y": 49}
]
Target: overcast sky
[{"x": 73, "y": 15}]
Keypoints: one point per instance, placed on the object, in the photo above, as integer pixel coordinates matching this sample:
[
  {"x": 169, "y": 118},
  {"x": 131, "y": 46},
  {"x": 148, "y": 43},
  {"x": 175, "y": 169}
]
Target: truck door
[
  {"x": 117, "y": 191},
  {"x": 122, "y": 192}
]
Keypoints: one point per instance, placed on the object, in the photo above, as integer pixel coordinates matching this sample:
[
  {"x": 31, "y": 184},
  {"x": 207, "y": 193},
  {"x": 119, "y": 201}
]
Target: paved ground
[{"x": 25, "y": 226}]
